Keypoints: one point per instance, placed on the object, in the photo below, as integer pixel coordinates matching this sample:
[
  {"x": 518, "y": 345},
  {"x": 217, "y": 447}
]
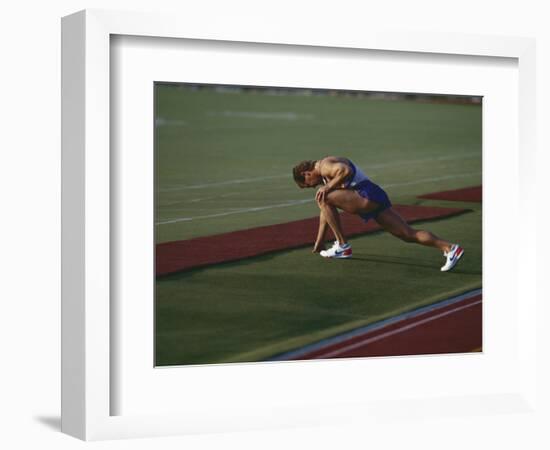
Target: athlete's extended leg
[
  {"x": 353, "y": 203},
  {"x": 392, "y": 222}
]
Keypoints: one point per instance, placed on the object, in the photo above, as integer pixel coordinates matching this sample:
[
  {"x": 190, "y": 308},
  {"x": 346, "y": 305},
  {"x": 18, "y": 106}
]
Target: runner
[{"x": 346, "y": 187}]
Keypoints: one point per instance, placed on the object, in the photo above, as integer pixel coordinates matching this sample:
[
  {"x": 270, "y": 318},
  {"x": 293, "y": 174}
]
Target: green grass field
[{"x": 223, "y": 163}]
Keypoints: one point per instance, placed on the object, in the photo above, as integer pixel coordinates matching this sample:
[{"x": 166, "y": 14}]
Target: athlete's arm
[
  {"x": 319, "y": 242},
  {"x": 336, "y": 172}
]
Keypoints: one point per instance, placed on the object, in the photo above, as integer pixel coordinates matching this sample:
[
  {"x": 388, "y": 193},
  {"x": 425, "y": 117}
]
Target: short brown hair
[{"x": 299, "y": 169}]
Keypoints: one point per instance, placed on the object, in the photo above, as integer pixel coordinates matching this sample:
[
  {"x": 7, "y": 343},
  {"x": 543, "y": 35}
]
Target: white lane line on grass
[
  {"x": 301, "y": 202},
  {"x": 264, "y": 115},
  {"x": 196, "y": 200},
  {"x": 288, "y": 175},
  {"x": 391, "y": 333},
  {"x": 223, "y": 183},
  {"x": 239, "y": 211},
  {"x": 161, "y": 121},
  {"x": 424, "y": 160},
  {"x": 428, "y": 180},
  {"x": 212, "y": 197}
]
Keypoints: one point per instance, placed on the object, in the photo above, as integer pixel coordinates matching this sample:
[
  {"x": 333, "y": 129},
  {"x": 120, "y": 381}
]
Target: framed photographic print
[
  {"x": 205, "y": 288},
  {"x": 233, "y": 280}
]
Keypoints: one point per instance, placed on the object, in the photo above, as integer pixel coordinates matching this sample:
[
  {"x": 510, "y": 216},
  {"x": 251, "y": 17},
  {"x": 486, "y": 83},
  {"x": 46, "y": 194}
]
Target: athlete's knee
[{"x": 327, "y": 201}]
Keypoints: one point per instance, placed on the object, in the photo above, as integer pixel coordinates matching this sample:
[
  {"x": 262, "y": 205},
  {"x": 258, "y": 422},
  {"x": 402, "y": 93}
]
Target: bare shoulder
[{"x": 328, "y": 161}]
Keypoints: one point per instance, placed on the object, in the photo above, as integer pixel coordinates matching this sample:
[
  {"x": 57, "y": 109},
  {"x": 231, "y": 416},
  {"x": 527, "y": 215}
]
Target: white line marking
[
  {"x": 428, "y": 180},
  {"x": 425, "y": 180},
  {"x": 212, "y": 197},
  {"x": 288, "y": 175},
  {"x": 423, "y": 160},
  {"x": 301, "y": 202},
  {"x": 390, "y": 333},
  {"x": 169, "y": 122},
  {"x": 223, "y": 183},
  {"x": 264, "y": 115},
  {"x": 240, "y": 211}
]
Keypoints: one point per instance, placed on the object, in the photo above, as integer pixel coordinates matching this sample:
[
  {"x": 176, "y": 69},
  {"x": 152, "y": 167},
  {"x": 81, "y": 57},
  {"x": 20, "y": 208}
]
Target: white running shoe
[
  {"x": 337, "y": 251},
  {"x": 334, "y": 244},
  {"x": 452, "y": 257}
]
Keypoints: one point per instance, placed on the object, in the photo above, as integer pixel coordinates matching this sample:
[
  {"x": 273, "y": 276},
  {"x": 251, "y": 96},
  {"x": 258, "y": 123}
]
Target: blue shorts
[{"x": 371, "y": 191}]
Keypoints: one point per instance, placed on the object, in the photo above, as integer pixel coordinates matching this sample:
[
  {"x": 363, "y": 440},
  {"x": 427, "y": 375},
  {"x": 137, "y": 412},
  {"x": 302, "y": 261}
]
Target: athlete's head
[{"x": 305, "y": 174}]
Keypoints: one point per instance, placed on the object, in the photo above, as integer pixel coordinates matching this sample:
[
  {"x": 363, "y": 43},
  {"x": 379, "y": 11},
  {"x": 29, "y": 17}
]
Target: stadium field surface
[
  {"x": 178, "y": 256},
  {"x": 223, "y": 164}
]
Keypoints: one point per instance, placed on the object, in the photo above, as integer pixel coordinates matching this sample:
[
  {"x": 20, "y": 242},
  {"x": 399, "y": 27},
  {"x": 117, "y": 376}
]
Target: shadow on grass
[
  {"x": 393, "y": 260},
  {"x": 413, "y": 262}
]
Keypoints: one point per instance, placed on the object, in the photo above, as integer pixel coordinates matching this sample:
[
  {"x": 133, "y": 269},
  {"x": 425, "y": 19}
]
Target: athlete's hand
[
  {"x": 318, "y": 247},
  {"x": 321, "y": 194}
]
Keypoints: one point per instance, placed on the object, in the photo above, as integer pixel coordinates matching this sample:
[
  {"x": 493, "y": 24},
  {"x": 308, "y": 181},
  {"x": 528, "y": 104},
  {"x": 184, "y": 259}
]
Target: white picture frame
[{"x": 87, "y": 386}]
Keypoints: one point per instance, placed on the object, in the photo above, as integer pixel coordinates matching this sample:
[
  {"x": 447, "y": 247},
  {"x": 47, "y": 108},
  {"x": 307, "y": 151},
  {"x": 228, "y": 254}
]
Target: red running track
[
  {"x": 454, "y": 328},
  {"x": 471, "y": 194},
  {"x": 177, "y": 256}
]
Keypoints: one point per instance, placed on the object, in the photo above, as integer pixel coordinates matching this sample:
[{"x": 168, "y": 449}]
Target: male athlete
[{"x": 347, "y": 188}]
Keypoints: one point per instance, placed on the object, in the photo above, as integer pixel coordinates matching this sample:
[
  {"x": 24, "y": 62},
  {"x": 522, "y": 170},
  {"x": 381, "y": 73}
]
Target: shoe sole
[
  {"x": 343, "y": 256},
  {"x": 455, "y": 262}
]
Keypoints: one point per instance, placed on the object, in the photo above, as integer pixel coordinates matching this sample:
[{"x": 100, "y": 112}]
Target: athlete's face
[{"x": 311, "y": 179}]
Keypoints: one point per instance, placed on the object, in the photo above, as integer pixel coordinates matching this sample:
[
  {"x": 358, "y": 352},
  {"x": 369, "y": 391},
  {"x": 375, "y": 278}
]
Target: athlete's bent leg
[
  {"x": 330, "y": 214},
  {"x": 350, "y": 201},
  {"x": 392, "y": 222}
]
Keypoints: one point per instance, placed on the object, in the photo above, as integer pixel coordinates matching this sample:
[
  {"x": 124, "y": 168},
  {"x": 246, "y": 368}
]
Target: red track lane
[
  {"x": 184, "y": 255},
  {"x": 471, "y": 194},
  {"x": 455, "y": 328}
]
